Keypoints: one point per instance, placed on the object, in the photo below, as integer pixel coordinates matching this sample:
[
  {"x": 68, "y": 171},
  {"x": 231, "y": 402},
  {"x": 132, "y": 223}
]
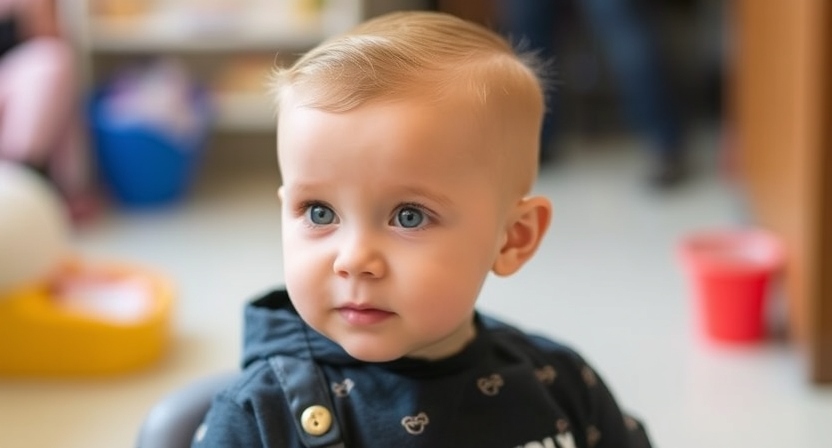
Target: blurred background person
[
  {"x": 40, "y": 117},
  {"x": 623, "y": 29}
]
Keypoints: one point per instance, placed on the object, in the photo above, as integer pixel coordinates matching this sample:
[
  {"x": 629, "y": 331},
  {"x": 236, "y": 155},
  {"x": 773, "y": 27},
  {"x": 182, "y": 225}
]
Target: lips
[{"x": 359, "y": 315}]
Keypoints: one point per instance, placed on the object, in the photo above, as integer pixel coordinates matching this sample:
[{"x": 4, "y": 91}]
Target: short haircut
[{"x": 398, "y": 55}]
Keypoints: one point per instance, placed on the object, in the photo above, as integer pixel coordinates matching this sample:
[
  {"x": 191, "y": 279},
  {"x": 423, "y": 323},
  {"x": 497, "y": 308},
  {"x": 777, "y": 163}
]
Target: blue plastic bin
[{"x": 142, "y": 166}]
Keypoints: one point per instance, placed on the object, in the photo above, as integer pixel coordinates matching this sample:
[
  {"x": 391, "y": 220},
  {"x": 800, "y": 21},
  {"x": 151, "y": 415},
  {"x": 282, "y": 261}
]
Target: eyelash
[
  {"x": 304, "y": 207},
  {"x": 429, "y": 215}
]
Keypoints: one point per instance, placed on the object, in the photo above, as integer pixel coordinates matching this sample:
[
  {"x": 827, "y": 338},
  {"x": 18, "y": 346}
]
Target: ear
[{"x": 525, "y": 231}]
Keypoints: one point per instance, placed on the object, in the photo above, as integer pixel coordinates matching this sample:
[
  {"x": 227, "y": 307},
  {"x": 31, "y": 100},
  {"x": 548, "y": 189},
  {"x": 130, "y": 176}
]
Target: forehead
[{"x": 420, "y": 137}]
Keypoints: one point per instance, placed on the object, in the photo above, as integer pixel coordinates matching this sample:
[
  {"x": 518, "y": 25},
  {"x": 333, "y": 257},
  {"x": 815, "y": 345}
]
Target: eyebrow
[
  {"x": 307, "y": 188},
  {"x": 435, "y": 197}
]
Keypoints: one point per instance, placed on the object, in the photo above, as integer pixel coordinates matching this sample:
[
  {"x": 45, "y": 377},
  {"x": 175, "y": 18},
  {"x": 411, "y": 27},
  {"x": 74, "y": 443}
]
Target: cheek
[
  {"x": 453, "y": 272},
  {"x": 445, "y": 298},
  {"x": 302, "y": 262},
  {"x": 473, "y": 250},
  {"x": 304, "y": 280}
]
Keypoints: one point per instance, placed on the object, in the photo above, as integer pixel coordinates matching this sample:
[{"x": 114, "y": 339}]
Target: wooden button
[{"x": 316, "y": 420}]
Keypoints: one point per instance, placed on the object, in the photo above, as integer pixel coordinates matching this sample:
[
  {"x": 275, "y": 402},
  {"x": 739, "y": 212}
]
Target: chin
[{"x": 368, "y": 354}]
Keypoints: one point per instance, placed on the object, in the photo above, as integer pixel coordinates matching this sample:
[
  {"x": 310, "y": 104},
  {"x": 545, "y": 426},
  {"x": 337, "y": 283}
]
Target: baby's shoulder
[
  {"x": 540, "y": 350},
  {"x": 255, "y": 382}
]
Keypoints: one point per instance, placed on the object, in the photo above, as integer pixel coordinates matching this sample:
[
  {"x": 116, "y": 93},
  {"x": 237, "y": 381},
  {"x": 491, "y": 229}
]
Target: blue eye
[
  {"x": 320, "y": 215},
  {"x": 410, "y": 217}
]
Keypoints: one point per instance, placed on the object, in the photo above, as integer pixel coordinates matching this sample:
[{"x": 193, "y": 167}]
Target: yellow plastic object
[{"x": 41, "y": 336}]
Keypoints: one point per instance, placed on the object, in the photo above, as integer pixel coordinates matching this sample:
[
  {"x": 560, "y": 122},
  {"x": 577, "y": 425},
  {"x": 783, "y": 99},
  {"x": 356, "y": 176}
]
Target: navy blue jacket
[{"x": 506, "y": 389}]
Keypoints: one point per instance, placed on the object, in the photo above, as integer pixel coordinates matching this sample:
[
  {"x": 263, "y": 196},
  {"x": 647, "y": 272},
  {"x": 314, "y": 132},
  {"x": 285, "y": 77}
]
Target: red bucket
[{"x": 730, "y": 272}]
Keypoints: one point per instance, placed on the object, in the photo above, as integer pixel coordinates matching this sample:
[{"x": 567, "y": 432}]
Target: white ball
[{"x": 34, "y": 228}]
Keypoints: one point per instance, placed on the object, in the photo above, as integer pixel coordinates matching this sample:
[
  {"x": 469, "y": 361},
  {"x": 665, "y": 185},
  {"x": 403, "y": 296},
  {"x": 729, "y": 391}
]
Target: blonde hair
[{"x": 424, "y": 54}]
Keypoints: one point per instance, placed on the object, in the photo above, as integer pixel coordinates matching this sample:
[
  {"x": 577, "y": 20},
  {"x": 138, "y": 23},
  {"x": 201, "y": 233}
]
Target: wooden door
[{"x": 780, "y": 108}]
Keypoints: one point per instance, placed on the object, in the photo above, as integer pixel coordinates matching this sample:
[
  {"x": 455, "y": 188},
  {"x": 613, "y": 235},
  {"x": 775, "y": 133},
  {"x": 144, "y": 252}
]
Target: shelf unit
[{"x": 212, "y": 36}]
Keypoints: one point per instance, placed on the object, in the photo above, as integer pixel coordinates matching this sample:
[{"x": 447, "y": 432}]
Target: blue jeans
[{"x": 631, "y": 50}]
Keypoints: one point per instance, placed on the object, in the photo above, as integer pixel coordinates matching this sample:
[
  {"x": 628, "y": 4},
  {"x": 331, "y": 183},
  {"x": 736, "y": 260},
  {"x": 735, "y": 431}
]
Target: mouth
[{"x": 361, "y": 315}]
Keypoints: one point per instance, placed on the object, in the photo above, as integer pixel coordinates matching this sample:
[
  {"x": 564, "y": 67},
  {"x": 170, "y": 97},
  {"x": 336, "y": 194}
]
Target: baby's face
[{"x": 392, "y": 219}]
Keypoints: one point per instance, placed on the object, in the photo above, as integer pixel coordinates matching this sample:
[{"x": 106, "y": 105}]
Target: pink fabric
[
  {"x": 6, "y": 5},
  {"x": 39, "y": 111}
]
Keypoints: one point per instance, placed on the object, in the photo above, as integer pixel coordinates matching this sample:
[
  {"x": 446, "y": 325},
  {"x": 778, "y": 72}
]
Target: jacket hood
[{"x": 273, "y": 327}]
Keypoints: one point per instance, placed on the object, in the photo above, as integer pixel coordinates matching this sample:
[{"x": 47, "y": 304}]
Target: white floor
[{"x": 606, "y": 281}]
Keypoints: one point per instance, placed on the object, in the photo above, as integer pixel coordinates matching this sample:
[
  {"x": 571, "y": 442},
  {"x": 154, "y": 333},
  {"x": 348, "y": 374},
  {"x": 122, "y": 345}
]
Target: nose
[{"x": 360, "y": 256}]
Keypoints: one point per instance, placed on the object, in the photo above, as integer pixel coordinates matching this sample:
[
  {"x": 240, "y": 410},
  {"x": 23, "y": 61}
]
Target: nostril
[
  {"x": 360, "y": 260},
  {"x": 371, "y": 269}
]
